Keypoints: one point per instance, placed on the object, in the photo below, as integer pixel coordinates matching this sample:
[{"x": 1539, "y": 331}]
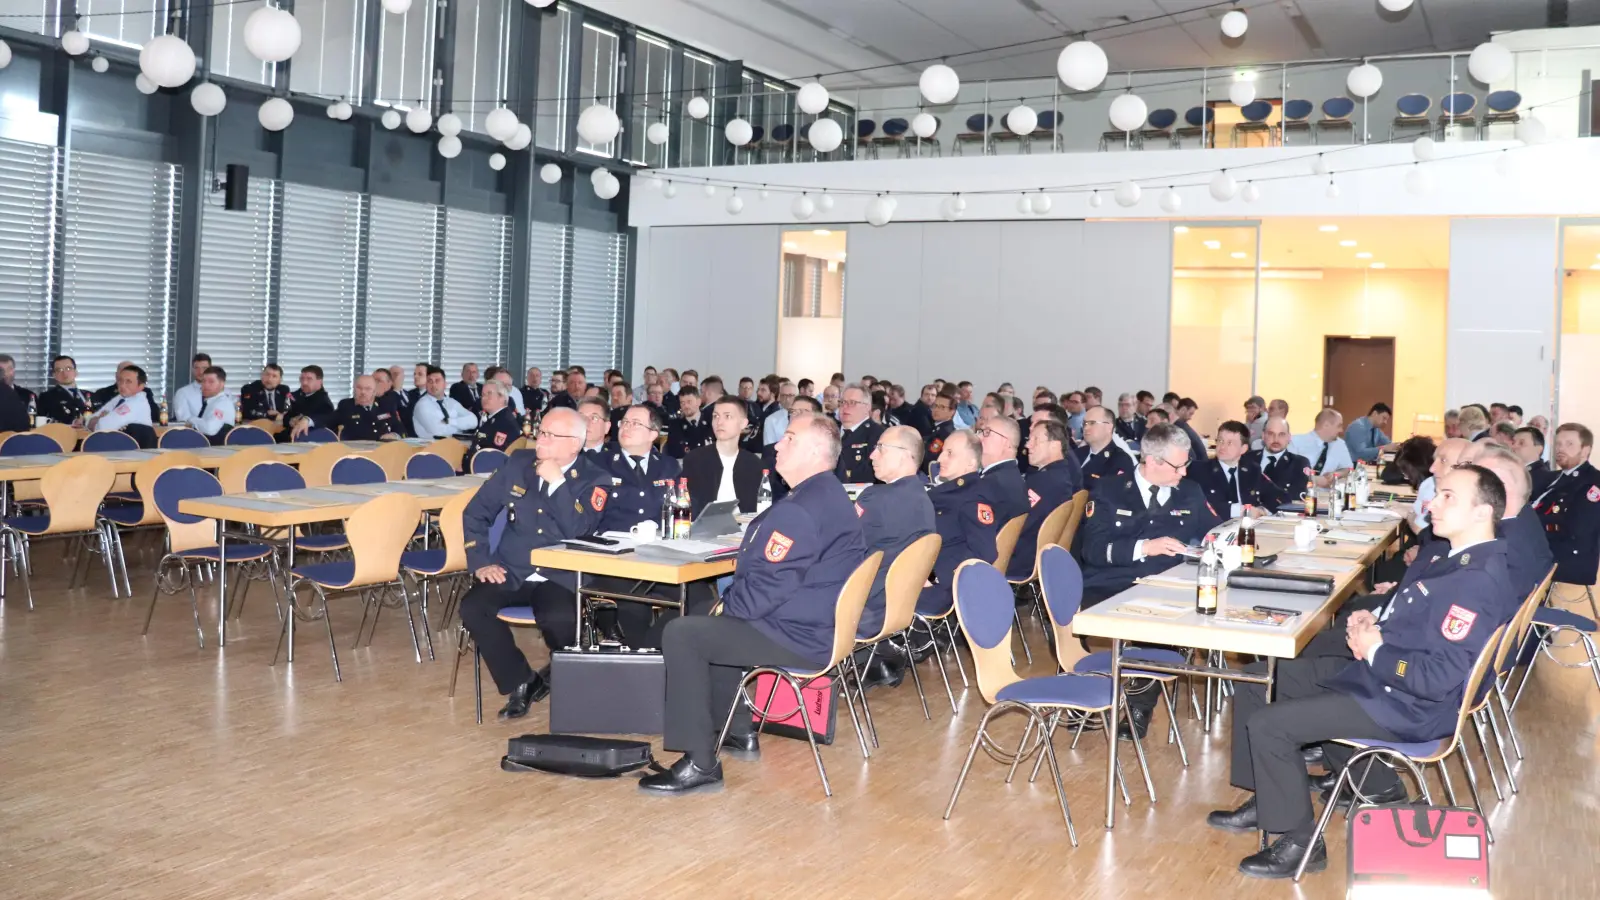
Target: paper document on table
[
  {"x": 1165, "y": 580},
  {"x": 1374, "y": 515},
  {"x": 1354, "y": 537},
  {"x": 1312, "y": 564},
  {"x": 1326, "y": 551},
  {"x": 1158, "y": 609},
  {"x": 1244, "y": 616},
  {"x": 686, "y": 550}
]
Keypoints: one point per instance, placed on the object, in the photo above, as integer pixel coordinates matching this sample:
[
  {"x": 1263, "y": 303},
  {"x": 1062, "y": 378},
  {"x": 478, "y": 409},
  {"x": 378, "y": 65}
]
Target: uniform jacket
[
  {"x": 1048, "y": 487},
  {"x": 1197, "y": 444},
  {"x": 497, "y": 431},
  {"x": 533, "y": 519},
  {"x": 1540, "y": 474},
  {"x": 315, "y": 406},
  {"x": 684, "y": 435},
  {"x": 935, "y": 445},
  {"x": 1254, "y": 488},
  {"x": 1109, "y": 464},
  {"x": 470, "y": 396},
  {"x": 1116, "y": 519},
  {"x": 534, "y": 400},
  {"x": 856, "y": 446},
  {"x": 561, "y": 400},
  {"x": 1437, "y": 621},
  {"x": 1287, "y": 473},
  {"x": 62, "y": 404},
  {"x": 13, "y": 412},
  {"x": 1011, "y": 490},
  {"x": 1132, "y": 432},
  {"x": 256, "y": 401},
  {"x": 355, "y": 422},
  {"x": 636, "y": 498},
  {"x": 967, "y": 518},
  {"x": 1569, "y": 506},
  {"x": 703, "y": 469},
  {"x": 795, "y": 557},
  {"x": 893, "y": 515}
]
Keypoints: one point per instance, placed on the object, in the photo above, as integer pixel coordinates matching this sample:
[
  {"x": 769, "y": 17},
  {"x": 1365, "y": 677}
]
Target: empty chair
[
  {"x": 393, "y": 456},
  {"x": 72, "y": 492},
  {"x": 1198, "y": 121},
  {"x": 1255, "y": 122},
  {"x": 1158, "y": 127},
  {"x": 354, "y": 469},
  {"x": 978, "y": 125},
  {"x": 277, "y": 477},
  {"x": 29, "y": 443},
  {"x": 450, "y": 450},
  {"x": 1458, "y": 110},
  {"x": 316, "y": 466},
  {"x": 140, "y": 510},
  {"x": 231, "y": 472},
  {"x": 427, "y": 465},
  {"x": 247, "y": 435},
  {"x": 901, "y": 587},
  {"x": 781, "y": 140},
  {"x": 1500, "y": 108},
  {"x": 864, "y": 131},
  {"x": 317, "y": 436},
  {"x": 487, "y": 461},
  {"x": 1411, "y": 111},
  {"x": 66, "y": 439},
  {"x": 1296, "y": 117},
  {"x": 894, "y": 135},
  {"x": 182, "y": 439},
  {"x": 1336, "y": 112},
  {"x": 108, "y": 442}
]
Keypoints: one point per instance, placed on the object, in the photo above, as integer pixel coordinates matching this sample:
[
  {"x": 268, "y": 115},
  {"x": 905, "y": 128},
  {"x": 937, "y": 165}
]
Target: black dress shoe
[
  {"x": 1242, "y": 819},
  {"x": 1313, "y": 755},
  {"x": 883, "y": 673},
  {"x": 683, "y": 777},
  {"x": 1282, "y": 857},
  {"x": 525, "y": 695},
  {"x": 1396, "y": 793},
  {"x": 1324, "y": 783},
  {"x": 1140, "y": 717},
  {"x": 742, "y": 746}
]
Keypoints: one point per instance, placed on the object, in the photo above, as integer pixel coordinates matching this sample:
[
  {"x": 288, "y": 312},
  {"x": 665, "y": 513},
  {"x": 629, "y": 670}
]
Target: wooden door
[{"x": 1356, "y": 373}]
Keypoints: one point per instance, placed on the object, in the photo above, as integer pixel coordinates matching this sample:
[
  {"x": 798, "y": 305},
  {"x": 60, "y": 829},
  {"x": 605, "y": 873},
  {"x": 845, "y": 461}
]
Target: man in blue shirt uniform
[
  {"x": 1328, "y": 454},
  {"x": 1365, "y": 437}
]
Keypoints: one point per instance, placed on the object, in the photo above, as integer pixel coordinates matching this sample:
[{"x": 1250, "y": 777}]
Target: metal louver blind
[
  {"x": 28, "y": 179},
  {"x": 477, "y": 275},
  {"x": 323, "y": 232},
  {"x": 549, "y": 249},
  {"x": 119, "y": 265},
  {"x": 236, "y": 274},
  {"x": 401, "y": 258},
  {"x": 598, "y": 272}
]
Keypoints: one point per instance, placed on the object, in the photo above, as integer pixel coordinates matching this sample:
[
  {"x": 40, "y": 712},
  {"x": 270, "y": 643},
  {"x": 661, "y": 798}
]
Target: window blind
[
  {"x": 236, "y": 280},
  {"x": 598, "y": 274},
  {"x": 401, "y": 262},
  {"x": 119, "y": 265},
  {"x": 477, "y": 275},
  {"x": 29, "y": 176},
  {"x": 323, "y": 232},
  {"x": 549, "y": 252}
]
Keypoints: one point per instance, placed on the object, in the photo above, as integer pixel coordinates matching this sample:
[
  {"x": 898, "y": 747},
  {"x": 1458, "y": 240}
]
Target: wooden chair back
[
  {"x": 1069, "y": 529},
  {"x": 454, "y": 532},
  {"x": 1517, "y": 629},
  {"x": 985, "y": 609},
  {"x": 450, "y": 450},
  {"x": 903, "y": 584},
  {"x": 316, "y": 465},
  {"x": 267, "y": 425},
  {"x": 1049, "y": 530},
  {"x": 61, "y": 433},
  {"x": 847, "y": 612},
  {"x": 1471, "y": 701},
  {"x": 392, "y": 456},
  {"x": 378, "y": 532},
  {"x": 144, "y": 479},
  {"x": 234, "y": 468},
  {"x": 1005, "y": 543},
  {"x": 74, "y": 490}
]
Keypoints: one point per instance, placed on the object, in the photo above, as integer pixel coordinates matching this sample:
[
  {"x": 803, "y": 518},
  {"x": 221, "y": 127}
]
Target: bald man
[{"x": 894, "y": 513}]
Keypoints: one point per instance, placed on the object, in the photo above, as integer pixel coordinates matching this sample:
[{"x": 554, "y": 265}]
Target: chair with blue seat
[
  {"x": 846, "y": 618},
  {"x": 1500, "y": 108},
  {"x": 1548, "y": 623},
  {"x": 983, "y": 598},
  {"x": 894, "y": 135},
  {"x": 865, "y": 128},
  {"x": 276, "y": 477},
  {"x": 1411, "y": 111},
  {"x": 182, "y": 439},
  {"x": 978, "y": 125},
  {"x": 316, "y": 436},
  {"x": 487, "y": 461},
  {"x": 355, "y": 469},
  {"x": 1198, "y": 123},
  {"x": 1050, "y": 531},
  {"x": 1518, "y": 633},
  {"x": 379, "y": 531},
  {"x": 1415, "y": 757},
  {"x": 109, "y": 442},
  {"x": 1255, "y": 121},
  {"x": 427, "y": 465},
  {"x": 1158, "y": 127},
  {"x": 139, "y": 510},
  {"x": 780, "y": 141},
  {"x": 1336, "y": 113},
  {"x": 63, "y": 434},
  {"x": 1458, "y": 110},
  {"x": 192, "y": 543},
  {"x": 29, "y": 443},
  {"x": 902, "y": 584},
  {"x": 1296, "y": 117},
  {"x": 393, "y": 456},
  {"x": 247, "y": 435},
  {"x": 72, "y": 491},
  {"x": 316, "y": 465},
  {"x": 450, "y": 450}
]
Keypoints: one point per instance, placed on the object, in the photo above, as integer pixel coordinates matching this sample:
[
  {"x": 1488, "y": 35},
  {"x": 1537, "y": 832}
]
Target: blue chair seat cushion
[
  {"x": 424, "y": 562},
  {"x": 1417, "y": 750},
  {"x": 321, "y": 542},
  {"x": 124, "y": 515},
  {"x": 1101, "y": 662},
  {"x": 237, "y": 551},
  {"x": 1080, "y": 691},
  {"x": 1562, "y": 618},
  {"x": 29, "y": 524},
  {"x": 517, "y": 615},
  {"x": 328, "y": 574}
]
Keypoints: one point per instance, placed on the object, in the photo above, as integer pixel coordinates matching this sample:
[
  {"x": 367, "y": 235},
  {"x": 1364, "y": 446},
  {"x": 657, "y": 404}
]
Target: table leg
[
  {"x": 1272, "y": 670},
  {"x": 577, "y": 598},
  {"x": 222, "y": 582},
  {"x": 683, "y": 598},
  {"x": 288, "y": 583},
  {"x": 1111, "y": 753}
]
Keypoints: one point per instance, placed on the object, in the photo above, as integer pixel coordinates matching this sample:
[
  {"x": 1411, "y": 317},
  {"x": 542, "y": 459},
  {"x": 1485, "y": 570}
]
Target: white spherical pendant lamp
[
  {"x": 208, "y": 99},
  {"x": 657, "y": 133},
  {"x": 738, "y": 132},
  {"x": 449, "y": 124},
  {"x": 419, "y": 120},
  {"x": 598, "y": 124},
  {"x": 1490, "y": 62},
  {"x": 275, "y": 114},
  {"x": 500, "y": 123},
  {"x": 272, "y": 34},
  {"x": 1128, "y": 194},
  {"x": 497, "y": 161},
  {"x": 1082, "y": 65},
  {"x": 939, "y": 84},
  {"x": 1364, "y": 80},
  {"x": 1223, "y": 187},
  {"x": 391, "y": 119},
  {"x": 803, "y": 207},
  {"x": 1242, "y": 93},
  {"x": 825, "y": 135},
  {"x": 1128, "y": 112},
  {"x": 812, "y": 98},
  {"x": 449, "y": 146},
  {"x": 549, "y": 173},
  {"x": 1235, "y": 23},
  {"x": 167, "y": 60},
  {"x": 699, "y": 107},
  {"x": 75, "y": 42}
]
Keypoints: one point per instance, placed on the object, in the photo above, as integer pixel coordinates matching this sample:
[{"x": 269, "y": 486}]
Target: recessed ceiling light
[
  {"x": 1377, "y": 265},
  {"x": 1347, "y": 243},
  {"x": 1213, "y": 245},
  {"x": 1328, "y": 228},
  {"x": 821, "y": 232},
  {"x": 1180, "y": 229},
  {"x": 1238, "y": 254},
  {"x": 790, "y": 245},
  {"x": 1363, "y": 255}
]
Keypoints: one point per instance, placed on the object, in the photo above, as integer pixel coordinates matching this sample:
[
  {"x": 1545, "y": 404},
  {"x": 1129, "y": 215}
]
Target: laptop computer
[{"x": 714, "y": 520}]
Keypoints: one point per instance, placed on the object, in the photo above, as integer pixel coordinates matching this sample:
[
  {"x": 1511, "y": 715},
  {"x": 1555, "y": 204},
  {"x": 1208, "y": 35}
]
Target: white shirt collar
[
  {"x": 999, "y": 462},
  {"x": 1145, "y": 485},
  {"x": 1454, "y": 549}
]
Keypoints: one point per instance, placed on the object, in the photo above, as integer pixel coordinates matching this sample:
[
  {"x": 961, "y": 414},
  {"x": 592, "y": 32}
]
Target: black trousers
[
  {"x": 1267, "y": 737},
  {"x": 554, "y": 607},
  {"x": 706, "y": 657}
]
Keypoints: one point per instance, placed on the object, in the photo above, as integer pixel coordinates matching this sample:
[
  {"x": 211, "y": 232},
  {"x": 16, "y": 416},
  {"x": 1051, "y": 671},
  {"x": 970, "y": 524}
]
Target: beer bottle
[
  {"x": 163, "y": 413},
  {"x": 1247, "y": 542},
  {"x": 1311, "y": 498},
  {"x": 683, "y": 516},
  {"x": 764, "y": 493},
  {"x": 1205, "y": 591}
]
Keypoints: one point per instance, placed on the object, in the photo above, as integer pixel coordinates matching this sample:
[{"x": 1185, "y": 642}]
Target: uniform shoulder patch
[
  {"x": 1088, "y": 511},
  {"x": 1457, "y": 623},
  {"x": 1594, "y": 494},
  {"x": 1400, "y": 669},
  {"x": 778, "y": 547},
  {"x": 859, "y": 511},
  {"x": 1033, "y": 497},
  {"x": 499, "y": 438},
  {"x": 985, "y": 514},
  {"x": 597, "y": 499},
  {"x": 935, "y": 447}
]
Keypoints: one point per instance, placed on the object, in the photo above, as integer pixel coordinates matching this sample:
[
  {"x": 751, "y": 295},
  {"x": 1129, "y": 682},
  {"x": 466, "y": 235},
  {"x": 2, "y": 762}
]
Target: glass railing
[{"x": 1303, "y": 103}]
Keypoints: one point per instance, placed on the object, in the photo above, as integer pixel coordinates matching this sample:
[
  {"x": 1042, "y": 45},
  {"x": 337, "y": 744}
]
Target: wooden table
[
  {"x": 125, "y": 462},
  {"x": 631, "y": 567},
  {"x": 1116, "y": 618},
  {"x": 287, "y": 509}
]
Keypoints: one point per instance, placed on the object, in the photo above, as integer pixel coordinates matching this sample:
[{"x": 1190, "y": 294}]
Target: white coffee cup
[
  {"x": 644, "y": 532},
  {"x": 1305, "y": 535}
]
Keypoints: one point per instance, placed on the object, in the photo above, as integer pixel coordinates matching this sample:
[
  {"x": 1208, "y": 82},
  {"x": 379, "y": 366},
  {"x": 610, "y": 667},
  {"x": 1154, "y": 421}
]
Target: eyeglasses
[
  {"x": 542, "y": 433},
  {"x": 983, "y": 432},
  {"x": 1176, "y": 467},
  {"x": 629, "y": 423},
  {"x": 1088, "y": 422},
  {"x": 854, "y": 403}
]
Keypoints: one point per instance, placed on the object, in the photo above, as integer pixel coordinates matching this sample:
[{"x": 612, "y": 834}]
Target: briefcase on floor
[
  {"x": 1418, "y": 848},
  {"x": 607, "y": 692}
]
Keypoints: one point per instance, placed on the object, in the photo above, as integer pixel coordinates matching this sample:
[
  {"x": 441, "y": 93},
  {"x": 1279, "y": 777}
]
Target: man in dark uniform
[
  {"x": 266, "y": 398},
  {"x": 689, "y": 430},
  {"x": 1569, "y": 506},
  {"x": 779, "y": 610},
  {"x": 763, "y": 408},
  {"x": 943, "y": 413},
  {"x": 860, "y": 435},
  {"x": 566, "y": 389},
  {"x": 1528, "y": 555},
  {"x": 640, "y": 479},
  {"x": 1284, "y": 468},
  {"x": 596, "y": 418},
  {"x": 63, "y": 401},
  {"x": 1129, "y": 424},
  {"x": 500, "y": 425},
  {"x": 1401, "y": 680},
  {"x": 542, "y": 496},
  {"x": 468, "y": 392},
  {"x": 894, "y": 513},
  {"x": 534, "y": 396},
  {"x": 1233, "y": 480},
  {"x": 966, "y": 516},
  {"x": 8, "y": 378},
  {"x": 360, "y": 418},
  {"x": 1000, "y": 438},
  {"x": 799, "y": 407},
  {"x": 1528, "y": 442},
  {"x": 1099, "y": 458},
  {"x": 309, "y": 407},
  {"x": 1053, "y": 481},
  {"x": 388, "y": 399}
]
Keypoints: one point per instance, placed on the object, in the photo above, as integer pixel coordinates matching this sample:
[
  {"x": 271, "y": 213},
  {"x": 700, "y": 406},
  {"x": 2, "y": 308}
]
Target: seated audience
[
  {"x": 894, "y": 512},
  {"x": 1328, "y": 454},
  {"x": 1052, "y": 482},
  {"x": 723, "y": 470},
  {"x": 1365, "y": 438}
]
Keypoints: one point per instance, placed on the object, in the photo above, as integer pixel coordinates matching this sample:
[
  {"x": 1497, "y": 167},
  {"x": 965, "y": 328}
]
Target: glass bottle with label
[
  {"x": 1205, "y": 590},
  {"x": 682, "y": 516},
  {"x": 163, "y": 413},
  {"x": 1247, "y": 542},
  {"x": 669, "y": 508},
  {"x": 764, "y": 493},
  {"x": 1311, "y": 498}
]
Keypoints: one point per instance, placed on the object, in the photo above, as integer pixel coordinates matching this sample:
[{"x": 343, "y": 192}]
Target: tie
[
  {"x": 1233, "y": 485},
  {"x": 272, "y": 401},
  {"x": 473, "y": 390},
  {"x": 1322, "y": 458},
  {"x": 638, "y": 464},
  {"x": 1155, "y": 495}
]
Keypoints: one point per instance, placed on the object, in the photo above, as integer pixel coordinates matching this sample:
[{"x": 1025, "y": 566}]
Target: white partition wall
[
  {"x": 1502, "y": 312},
  {"x": 707, "y": 299}
]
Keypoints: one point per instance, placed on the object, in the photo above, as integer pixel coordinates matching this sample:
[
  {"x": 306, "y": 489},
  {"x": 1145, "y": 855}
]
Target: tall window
[
  {"x": 599, "y": 275},
  {"x": 402, "y": 252},
  {"x": 555, "y": 61},
  {"x": 332, "y": 35},
  {"x": 699, "y": 80},
  {"x": 482, "y": 59},
  {"x": 130, "y": 23},
  {"x": 652, "y": 86},
  {"x": 405, "y": 57},
  {"x": 477, "y": 277},
  {"x": 549, "y": 261},
  {"x": 597, "y": 82},
  {"x": 229, "y": 56},
  {"x": 29, "y": 181},
  {"x": 323, "y": 236},
  {"x": 234, "y": 306},
  {"x": 38, "y": 16}
]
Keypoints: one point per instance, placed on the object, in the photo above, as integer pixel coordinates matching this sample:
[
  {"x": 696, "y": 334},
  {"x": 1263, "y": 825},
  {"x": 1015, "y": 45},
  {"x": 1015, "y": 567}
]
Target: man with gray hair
[
  {"x": 500, "y": 426},
  {"x": 1129, "y": 424},
  {"x": 860, "y": 435},
  {"x": 999, "y": 439}
]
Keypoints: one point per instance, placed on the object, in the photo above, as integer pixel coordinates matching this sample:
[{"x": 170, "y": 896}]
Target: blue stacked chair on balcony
[
  {"x": 865, "y": 128},
  {"x": 1159, "y": 127},
  {"x": 1501, "y": 108},
  {"x": 1336, "y": 112},
  {"x": 1412, "y": 112},
  {"x": 978, "y": 125},
  {"x": 1296, "y": 117},
  {"x": 894, "y": 135},
  {"x": 1255, "y": 122},
  {"x": 1459, "y": 110},
  {"x": 1198, "y": 122}
]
